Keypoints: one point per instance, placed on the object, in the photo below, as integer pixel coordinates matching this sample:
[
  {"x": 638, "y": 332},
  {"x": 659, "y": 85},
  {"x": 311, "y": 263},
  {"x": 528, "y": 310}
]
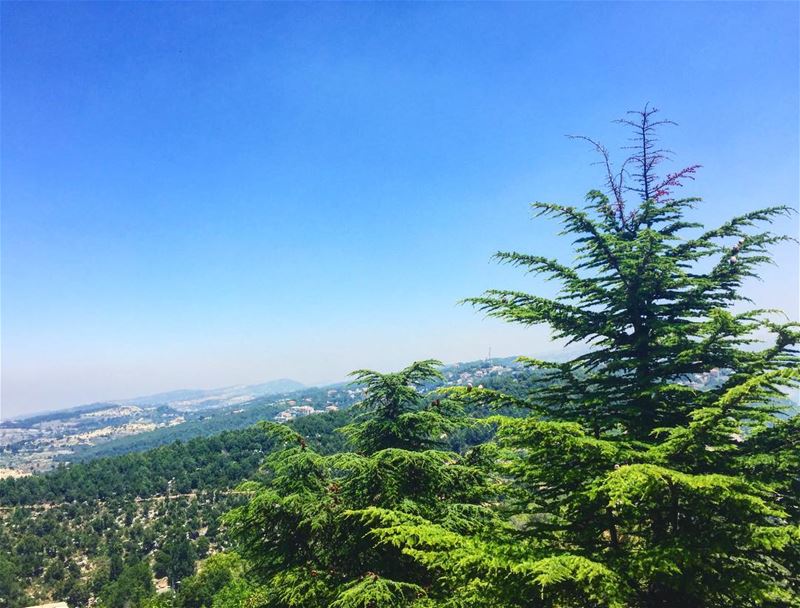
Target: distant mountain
[{"x": 193, "y": 399}]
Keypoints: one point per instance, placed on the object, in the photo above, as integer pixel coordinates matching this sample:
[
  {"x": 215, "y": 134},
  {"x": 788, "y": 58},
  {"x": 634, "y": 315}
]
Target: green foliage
[
  {"x": 650, "y": 301},
  {"x": 205, "y": 463},
  {"x": 53, "y": 539},
  {"x": 240, "y": 593},
  {"x": 656, "y": 470},
  {"x": 132, "y": 589},
  {"x": 392, "y": 416},
  {"x": 372, "y": 590},
  {"x": 311, "y": 532},
  {"x": 685, "y": 495},
  {"x": 215, "y": 573},
  {"x": 175, "y": 560},
  {"x": 11, "y": 591}
]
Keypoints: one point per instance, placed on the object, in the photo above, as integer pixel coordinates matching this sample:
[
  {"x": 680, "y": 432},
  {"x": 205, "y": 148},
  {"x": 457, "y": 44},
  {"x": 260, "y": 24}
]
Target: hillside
[
  {"x": 39, "y": 443},
  {"x": 159, "y": 495},
  {"x": 216, "y": 397},
  {"x": 135, "y": 504},
  {"x": 136, "y": 495}
]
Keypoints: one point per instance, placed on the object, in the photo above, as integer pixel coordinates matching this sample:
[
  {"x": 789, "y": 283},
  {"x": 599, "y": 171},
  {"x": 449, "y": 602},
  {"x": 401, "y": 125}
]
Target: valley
[{"x": 40, "y": 443}]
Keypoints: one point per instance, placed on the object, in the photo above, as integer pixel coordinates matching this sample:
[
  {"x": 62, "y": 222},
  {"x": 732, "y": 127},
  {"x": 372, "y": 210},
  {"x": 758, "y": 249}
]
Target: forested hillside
[
  {"x": 75, "y": 527},
  {"x": 63, "y": 530},
  {"x": 199, "y": 464},
  {"x": 620, "y": 477}
]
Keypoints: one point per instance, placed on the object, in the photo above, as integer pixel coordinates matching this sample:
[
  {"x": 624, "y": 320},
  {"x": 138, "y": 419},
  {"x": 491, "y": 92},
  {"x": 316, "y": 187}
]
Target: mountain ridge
[
  {"x": 167, "y": 398},
  {"x": 221, "y": 394}
]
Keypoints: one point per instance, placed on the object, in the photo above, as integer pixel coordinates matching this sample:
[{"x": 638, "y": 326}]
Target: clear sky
[{"x": 204, "y": 194}]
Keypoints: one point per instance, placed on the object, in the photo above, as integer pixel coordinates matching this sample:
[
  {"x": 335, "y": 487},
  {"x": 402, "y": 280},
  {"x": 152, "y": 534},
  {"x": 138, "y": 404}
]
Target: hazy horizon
[
  {"x": 205, "y": 195},
  {"x": 167, "y": 390}
]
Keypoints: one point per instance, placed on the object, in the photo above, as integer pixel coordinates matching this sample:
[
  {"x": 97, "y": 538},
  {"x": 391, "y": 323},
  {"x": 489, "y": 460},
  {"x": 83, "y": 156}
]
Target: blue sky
[{"x": 200, "y": 194}]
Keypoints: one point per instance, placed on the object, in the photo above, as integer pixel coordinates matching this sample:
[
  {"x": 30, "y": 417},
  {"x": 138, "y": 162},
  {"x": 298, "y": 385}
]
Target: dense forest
[
  {"x": 606, "y": 480},
  {"x": 198, "y": 464},
  {"x": 61, "y": 531}
]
